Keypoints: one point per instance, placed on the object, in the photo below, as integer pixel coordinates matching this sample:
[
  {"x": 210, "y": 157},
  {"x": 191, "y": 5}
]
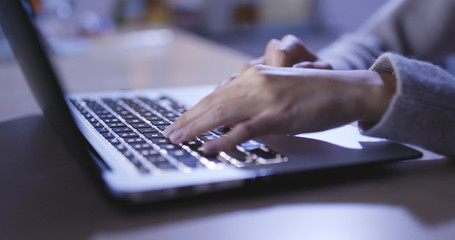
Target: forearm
[
  {"x": 422, "y": 111},
  {"x": 352, "y": 51},
  {"x": 422, "y": 29}
]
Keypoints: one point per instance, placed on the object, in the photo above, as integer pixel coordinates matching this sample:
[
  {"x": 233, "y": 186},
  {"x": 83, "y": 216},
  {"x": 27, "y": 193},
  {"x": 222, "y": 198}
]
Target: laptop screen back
[{"x": 39, "y": 73}]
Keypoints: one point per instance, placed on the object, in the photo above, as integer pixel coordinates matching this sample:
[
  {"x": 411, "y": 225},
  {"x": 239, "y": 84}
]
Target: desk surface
[
  {"x": 129, "y": 60},
  {"x": 45, "y": 194}
]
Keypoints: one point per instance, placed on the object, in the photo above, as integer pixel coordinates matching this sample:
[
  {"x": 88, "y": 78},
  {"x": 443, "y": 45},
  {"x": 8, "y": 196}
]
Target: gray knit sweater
[{"x": 422, "y": 112}]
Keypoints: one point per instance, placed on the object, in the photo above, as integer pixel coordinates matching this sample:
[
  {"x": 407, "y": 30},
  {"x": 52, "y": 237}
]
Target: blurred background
[{"x": 245, "y": 25}]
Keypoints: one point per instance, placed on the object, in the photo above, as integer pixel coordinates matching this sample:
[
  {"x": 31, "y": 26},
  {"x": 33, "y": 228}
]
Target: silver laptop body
[{"x": 119, "y": 134}]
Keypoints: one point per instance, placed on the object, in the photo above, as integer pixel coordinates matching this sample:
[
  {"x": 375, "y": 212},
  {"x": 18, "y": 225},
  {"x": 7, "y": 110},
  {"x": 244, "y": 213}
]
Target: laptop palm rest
[{"x": 335, "y": 148}]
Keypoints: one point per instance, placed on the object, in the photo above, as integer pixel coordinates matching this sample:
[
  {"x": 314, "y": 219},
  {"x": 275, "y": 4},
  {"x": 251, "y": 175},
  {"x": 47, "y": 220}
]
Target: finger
[
  {"x": 231, "y": 91},
  {"x": 270, "y": 51},
  {"x": 215, "y": 116},
  {"x": 315, "y": 65},
  {"x": 281, "y": 58},
  {"x": 286, "y": 53},
  {"x": 189, "y": 115},
  {"x": 231, "y": 125},
  {"x": 242, "y": 132},
  {"x": 198, "y": 110},
  {"x": 219, "y": 107},
  {"x": 290, "y": 51},
  {"x": 323, "y": 65},
  {"x": 305, "y": 64},
  {"x": 296, "y": 49}
]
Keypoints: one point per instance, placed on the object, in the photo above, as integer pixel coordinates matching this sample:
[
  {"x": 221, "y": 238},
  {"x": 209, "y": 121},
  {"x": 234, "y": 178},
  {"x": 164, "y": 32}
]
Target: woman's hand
[
  {"x": 269, "y": 100},
  {"x": 287, "y": 52}
]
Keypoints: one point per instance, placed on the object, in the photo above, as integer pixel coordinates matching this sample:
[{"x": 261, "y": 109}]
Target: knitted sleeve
[
  {"x": 422, "y": 29},
  {"x": 422, "y": 111}
]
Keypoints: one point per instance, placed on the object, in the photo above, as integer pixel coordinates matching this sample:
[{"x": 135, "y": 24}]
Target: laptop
[{"x": 119, "y": 134}]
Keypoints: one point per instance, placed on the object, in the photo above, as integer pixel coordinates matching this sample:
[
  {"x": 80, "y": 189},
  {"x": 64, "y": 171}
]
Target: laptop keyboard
[{"x": 134, "y": 126}]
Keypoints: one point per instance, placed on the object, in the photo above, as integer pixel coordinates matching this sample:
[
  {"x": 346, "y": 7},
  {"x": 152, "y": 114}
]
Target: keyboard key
[
  {"x": 153, "y": 118},
  {"x": 147, "y": 130},
  {"x": 135, "y": 161},
  {"x": 134, "y": 120},
  {"x": 160, "y": 122},
  {"x": 124, "y": 112},
  {"x": 121, "y": 129},
  {"x": 128, "y": 135},
  {"x": 149, "y": 152},
  {"x": 194, "y": 145},
  {"x": 168, "y": 146},
  {"x": 265, "y": 153},
  {"x": 162, "y": 110},
  {"x": 171, "y": 115},
  {"x": 120, "y": 110},
  {"x": 113, "y": 125},
  {"x": 251, "y": 145},
  {"x": 148, "y": 114},
  {"x": 121, "y": 147},
  {"x": 190, "y": 161},
  {"x": 105, "y": 116},
  {"x": 108, "y": 135},
  {"x": 140, "y": 109},
  {"x": 172, "y": 119},
  {"x": 140, "y": 125},
  {"x": 140, "y": 146},
  {"x": 238, "y": 155},
  {"x": 128, "y": 116},
  {"x": 221, "y": 130},
  {"x": 180, "y": 110},
  {"x": 92, "y": 120},
  {"x": 138, "y": 164},
  {"x": 161, "y": 140},
  {"x": 162, "y": 127},
  {"x": 114, "y": 141},
  {"x": 207, "y": 137},
  {"x": 128, "y": 154},
  {"x": 153, "y": 135},
  {"x": 153, "y": 158},
  {"x": 101, "y": 112},
  {"x": 102, "y": 130},
  {"x": 142, "y": 168},
  {"x": 165, "y": 166},
  {"x": 85, "y": 114},
  {"x": 97, "y": 125},
  {"x": 111, "y": 120},
  {"x": 160, "y": 162},
  {"x": 217, "y": 159},
  {"x": 185, "y": 158},
  {"x": 134, "y": 140}
]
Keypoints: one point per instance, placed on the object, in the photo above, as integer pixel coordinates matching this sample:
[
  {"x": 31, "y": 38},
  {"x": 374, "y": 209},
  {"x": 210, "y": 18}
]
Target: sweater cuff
[{"x": 422, "y": 111}]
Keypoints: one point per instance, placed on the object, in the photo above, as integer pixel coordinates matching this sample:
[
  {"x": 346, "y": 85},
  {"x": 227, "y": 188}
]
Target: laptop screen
[{"x": 39, "y": 73}]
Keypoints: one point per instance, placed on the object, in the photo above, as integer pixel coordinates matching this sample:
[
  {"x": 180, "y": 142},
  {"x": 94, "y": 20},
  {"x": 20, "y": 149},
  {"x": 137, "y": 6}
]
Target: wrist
[{"x": 376, "y": 96}]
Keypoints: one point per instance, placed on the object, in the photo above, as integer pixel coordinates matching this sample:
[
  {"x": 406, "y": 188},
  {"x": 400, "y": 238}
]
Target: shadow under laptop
[{"x": 46, "y": 194}]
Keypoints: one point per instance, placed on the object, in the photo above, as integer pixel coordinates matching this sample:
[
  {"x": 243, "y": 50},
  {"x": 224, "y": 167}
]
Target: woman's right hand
[{"x": 268, "y": 100}]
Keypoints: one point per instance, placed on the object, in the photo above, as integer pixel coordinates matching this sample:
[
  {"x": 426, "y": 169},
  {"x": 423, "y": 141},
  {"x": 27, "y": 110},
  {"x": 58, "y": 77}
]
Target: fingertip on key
[
  {"x": 177, "y": 136},
  {"x": 211, "y": 147},
  {"x": 168, "y": 131}
]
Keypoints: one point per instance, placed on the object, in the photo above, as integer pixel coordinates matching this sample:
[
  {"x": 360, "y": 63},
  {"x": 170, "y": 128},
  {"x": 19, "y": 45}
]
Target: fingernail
[
  {"x": 168, "y": 131},
  {"x": 176, "y": 136},
  {"x": 210, "y": 147}
]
